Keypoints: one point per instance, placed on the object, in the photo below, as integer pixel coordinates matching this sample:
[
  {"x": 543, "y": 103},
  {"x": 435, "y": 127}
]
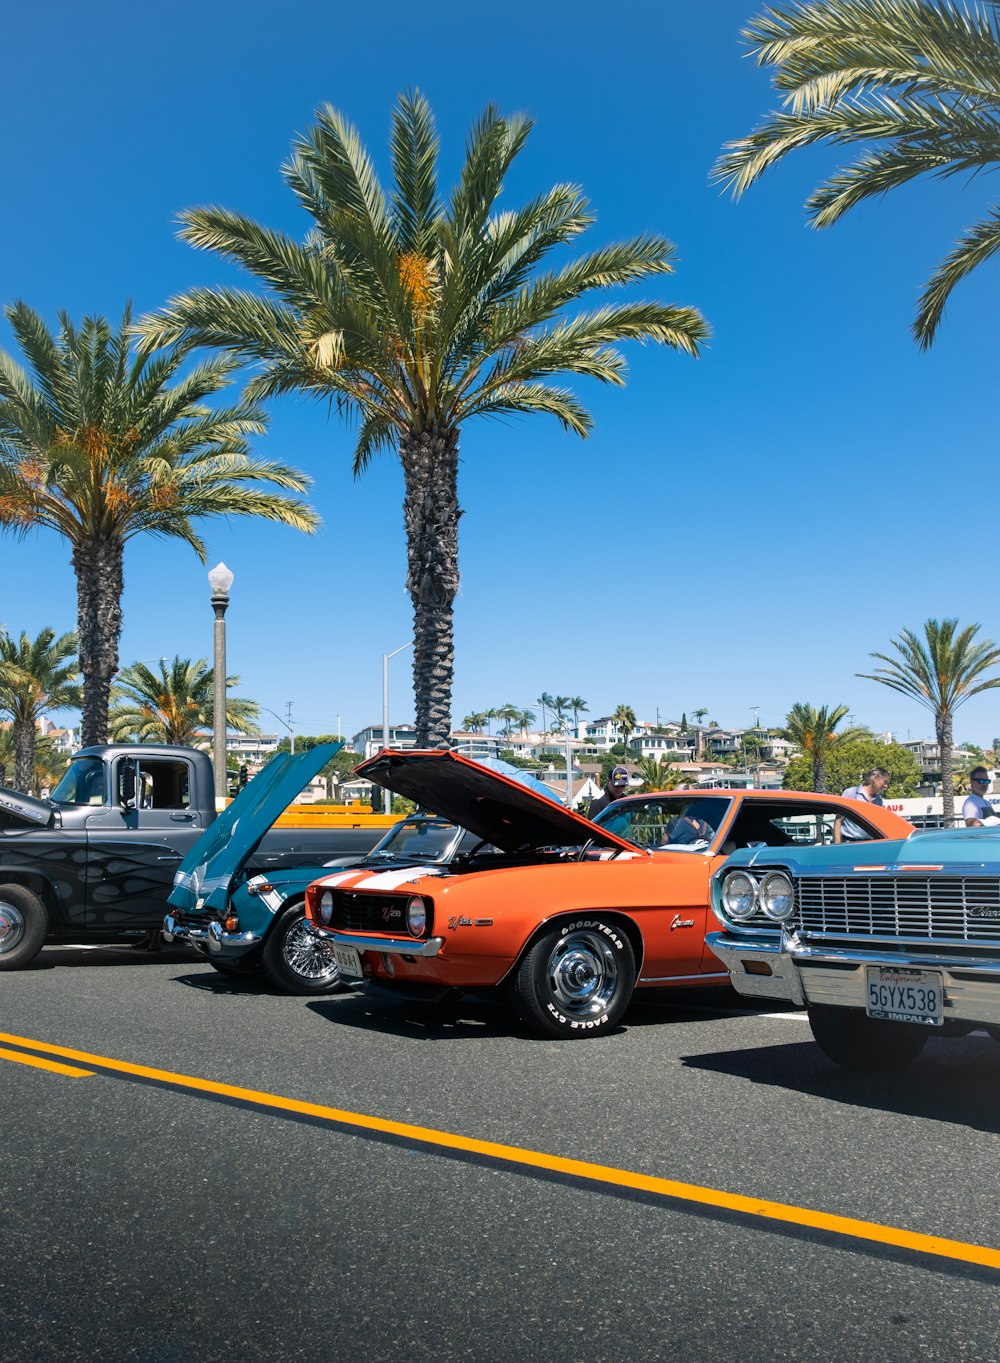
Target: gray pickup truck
[{"x": 96, "y": 860}]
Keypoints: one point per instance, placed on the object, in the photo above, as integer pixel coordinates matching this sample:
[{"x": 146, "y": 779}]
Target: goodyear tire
[
  {"x": 848, "y": 1037},
  {"x": 23, "y": 925},
  {"x": 577, "y": 979},
  {"x": 295, "y": 960}
]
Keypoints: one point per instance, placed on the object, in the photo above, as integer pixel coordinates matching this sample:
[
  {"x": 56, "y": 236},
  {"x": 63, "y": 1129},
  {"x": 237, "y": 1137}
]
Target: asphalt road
[{"x": 146, "y": 1218}]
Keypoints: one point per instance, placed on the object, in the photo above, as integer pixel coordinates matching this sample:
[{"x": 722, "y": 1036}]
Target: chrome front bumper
[
  {"x": 790, "y": 969},
  {"x": 391, "y": 946},
  {"x": 213, "y": 935}
]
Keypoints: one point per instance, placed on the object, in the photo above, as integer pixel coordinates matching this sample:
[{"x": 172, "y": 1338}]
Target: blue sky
[{"x": 739, "y": 531}]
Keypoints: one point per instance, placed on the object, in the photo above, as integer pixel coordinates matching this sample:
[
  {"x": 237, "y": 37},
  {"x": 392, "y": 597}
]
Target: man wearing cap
[{"x": 614, "y": 788}]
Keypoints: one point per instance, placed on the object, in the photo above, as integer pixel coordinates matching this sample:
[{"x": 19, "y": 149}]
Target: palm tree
[
  {"x": 699, "y": 714},
  {"x": 814, "y": 731},
  {"x": 524, "y": 721},
  {"x": 561, "y": 704},
  {"x": 659, "y": 774},
  {"x": 175, "y": 705},
  {"x": 36, "y": 677},
  {"x": 474, "y": 722},
  {"x": 917, "y": 83},
  {"x": 941, "y": 671},
  {"x": 579, "y": 706},
  {"x": 414, "y": 315},
  {"x": 50, "y": 763},
  {"x": 624, "y": 717},
  {"x": 545, "y": 702},
  {"x": 100, "y": 445},
  {"x": 508, "y": 713}
]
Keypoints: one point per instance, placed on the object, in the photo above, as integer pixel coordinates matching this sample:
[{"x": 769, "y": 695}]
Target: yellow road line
[
  {"x": 598, "y": 1173},
  {"x": 40, "y": 1064}
]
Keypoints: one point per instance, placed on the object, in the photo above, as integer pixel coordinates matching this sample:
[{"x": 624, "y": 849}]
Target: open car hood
[
  {"x": 207, "y": 872},
  {"x": 24, "y": 811},
  {"x": 498, "y": 808}
]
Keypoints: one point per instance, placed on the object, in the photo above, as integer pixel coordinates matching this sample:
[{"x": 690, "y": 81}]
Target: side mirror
[{"x": 127, "y": 781}]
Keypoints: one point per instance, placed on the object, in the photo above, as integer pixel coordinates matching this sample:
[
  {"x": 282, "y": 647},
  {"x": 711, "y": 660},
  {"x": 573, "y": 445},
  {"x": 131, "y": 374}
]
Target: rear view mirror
[{"x": 127, "y": 782}]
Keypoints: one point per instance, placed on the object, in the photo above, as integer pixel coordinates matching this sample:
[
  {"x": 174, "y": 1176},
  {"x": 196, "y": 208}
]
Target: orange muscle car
[{"x": 567, "y": 915}]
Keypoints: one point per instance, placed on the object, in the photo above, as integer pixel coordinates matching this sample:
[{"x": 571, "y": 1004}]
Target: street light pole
[
  {"x": 220, "y": 579},
  {"x": 386, "y": 795}
]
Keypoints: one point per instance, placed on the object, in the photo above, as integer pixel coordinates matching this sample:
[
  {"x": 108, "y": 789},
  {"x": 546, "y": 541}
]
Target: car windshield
[
  {"x": 418, "y": 840},
  {"x": 680, "y": 823},
  {"x": 83, "y": 783}
]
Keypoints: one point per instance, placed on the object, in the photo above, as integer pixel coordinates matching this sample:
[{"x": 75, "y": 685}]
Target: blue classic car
[
  {"x": 884, "y": 943},
  {"x": 243, "y": 921}
]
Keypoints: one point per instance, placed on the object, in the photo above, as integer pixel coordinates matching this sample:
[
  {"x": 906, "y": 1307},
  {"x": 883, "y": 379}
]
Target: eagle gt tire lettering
[{"x": 577, "y": 979}]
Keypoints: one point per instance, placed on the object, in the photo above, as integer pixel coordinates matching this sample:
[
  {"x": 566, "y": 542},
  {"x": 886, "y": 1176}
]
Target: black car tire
[
  {"x": 577, "y": 979},
  {"x": 295, "y": 959},
  {"x": 848, "y": 1037},
  {"x": 24, "y": 922}
]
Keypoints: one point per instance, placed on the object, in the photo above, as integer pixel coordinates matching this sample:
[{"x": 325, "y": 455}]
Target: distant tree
[
  {"x": 508, "y": 713},
  {"x": 699, "y": 714},
  {"x": 848, "y": 763},
  {"x": 579, "y": 706},
  {"x": 659, "y": 774},
  {"x": 624, "y": 717},
  {"x": 525, "y": 719},
  {"x": 814, "y": 731},
  {"x": 175, "y": 704},
  {"x": 561, "y": 704},
  {"x": 100, "y": 446},
  {"x": 50, "y": 763},
  {"x": 545, "y": 703},
  {"x": 941, "y": 672},
  {"x": 476, "y": 722},
  {"x": 37, "y": 676}
]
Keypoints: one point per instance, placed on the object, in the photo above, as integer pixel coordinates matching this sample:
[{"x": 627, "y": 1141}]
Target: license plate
[
  {"x": 348, "y": 961},
  {"x": 898, "y": 994}
]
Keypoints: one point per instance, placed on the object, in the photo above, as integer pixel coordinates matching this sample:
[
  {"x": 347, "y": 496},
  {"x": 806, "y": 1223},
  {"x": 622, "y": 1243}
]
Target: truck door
[{"x": 135, "y": 846}]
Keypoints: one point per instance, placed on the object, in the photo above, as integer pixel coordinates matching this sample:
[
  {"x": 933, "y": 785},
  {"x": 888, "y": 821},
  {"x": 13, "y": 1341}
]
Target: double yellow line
[{"x": 601, "y": 1174}]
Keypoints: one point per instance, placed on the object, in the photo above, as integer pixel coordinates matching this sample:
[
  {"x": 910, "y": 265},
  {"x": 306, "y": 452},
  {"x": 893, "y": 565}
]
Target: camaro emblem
[
  {"x": 459, "y": 921},
  {"x": 389, "y": 912},
  {"x": 678, "y": 922}
]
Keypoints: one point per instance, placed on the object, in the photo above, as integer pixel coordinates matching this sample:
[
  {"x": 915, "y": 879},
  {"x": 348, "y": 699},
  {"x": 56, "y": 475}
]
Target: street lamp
[
  {"x": 291, "y": 731},
  {"x": 220, "y": 579},
  {"x": 386, "y": 795}
]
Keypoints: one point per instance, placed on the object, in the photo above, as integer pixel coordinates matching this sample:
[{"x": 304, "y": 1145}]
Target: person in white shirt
[{"x": 977, "y": 810}]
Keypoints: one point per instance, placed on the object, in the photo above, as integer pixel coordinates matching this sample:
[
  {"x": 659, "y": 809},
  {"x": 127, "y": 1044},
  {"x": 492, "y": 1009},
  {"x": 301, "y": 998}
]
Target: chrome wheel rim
[
  {"x": 583, "y": 974},
  {"x": 12, "y": 926},
  {"x": 309, "y": 956}
]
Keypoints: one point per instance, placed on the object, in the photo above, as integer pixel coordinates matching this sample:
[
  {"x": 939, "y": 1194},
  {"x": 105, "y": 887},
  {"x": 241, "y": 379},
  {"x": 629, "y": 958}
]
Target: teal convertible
[{"x": 884, "y": 943}]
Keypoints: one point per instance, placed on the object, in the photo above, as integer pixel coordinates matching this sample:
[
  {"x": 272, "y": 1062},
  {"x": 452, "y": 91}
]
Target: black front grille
[
  {"x": 369, "y": 913},
  {"x": 908, "y": 907}
]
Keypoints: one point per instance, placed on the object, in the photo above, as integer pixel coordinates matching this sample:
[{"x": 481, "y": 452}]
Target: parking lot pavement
[{"x": 158, "y": 1220}]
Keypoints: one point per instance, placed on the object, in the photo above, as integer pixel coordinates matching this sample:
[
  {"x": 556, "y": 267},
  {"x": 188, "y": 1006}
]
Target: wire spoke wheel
[{"x": 309, "y": 955}]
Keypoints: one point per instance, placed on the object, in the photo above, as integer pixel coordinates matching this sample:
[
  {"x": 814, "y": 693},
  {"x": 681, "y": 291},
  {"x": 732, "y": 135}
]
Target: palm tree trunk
[
  {"x": 819, "y": 773},
  {"x": 99, "y": 585},
  {"x": 24, "y": 755},
  {"x": 430, "y": 514},
  {"x": 943, "y": 725}
]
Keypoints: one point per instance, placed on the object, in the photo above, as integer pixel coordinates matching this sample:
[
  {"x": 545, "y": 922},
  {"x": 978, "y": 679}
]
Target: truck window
[
  {"x": 83, "y": 783},
  {"x": 161, "y": 783}
]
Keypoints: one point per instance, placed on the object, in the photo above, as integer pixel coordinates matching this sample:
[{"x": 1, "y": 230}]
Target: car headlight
[
  {"x": 416, "y": 916},
  {"x": 326, "y": 906},
  {"x": 739, "y": 894},
  {"x": 777, "y": 896}
]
